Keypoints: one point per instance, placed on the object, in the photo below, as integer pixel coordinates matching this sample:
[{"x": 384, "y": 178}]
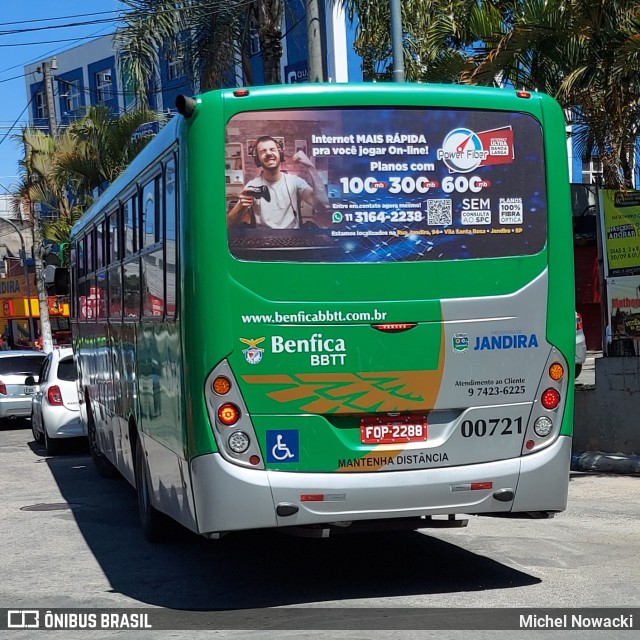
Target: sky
[{"x": 67, "y": 23}]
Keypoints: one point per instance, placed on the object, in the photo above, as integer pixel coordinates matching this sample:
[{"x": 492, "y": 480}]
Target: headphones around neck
[{"x": 256, "y": 160}]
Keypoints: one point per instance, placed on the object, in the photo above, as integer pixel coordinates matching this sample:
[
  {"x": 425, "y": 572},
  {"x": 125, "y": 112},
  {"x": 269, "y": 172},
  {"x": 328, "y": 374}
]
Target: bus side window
[
  {"x": 113, "y": 243},
  {"x": 131, "y": 289},
  {"x": 170, "y": 247},
  {"x": 129, "y": 211}
]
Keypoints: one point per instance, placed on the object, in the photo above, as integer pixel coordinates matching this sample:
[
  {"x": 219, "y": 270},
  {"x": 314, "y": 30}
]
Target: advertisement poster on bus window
[
  {"x": 620, "y": 232},
  {"x": 384, "y": 184}
]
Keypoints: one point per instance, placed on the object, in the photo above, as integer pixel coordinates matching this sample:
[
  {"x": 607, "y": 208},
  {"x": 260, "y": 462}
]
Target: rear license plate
[
  {"x": 29, "y": 391},
  {"x": 392, "y": 429}
]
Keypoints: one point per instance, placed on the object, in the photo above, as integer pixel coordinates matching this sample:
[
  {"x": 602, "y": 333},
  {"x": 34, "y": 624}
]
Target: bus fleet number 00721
[{"x": 491, "y": 427}]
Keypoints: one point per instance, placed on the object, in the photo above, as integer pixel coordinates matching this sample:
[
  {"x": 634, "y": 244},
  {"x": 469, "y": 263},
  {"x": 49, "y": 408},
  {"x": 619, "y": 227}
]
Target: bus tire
[
  {"x": 153, "y": 523},
  {"x": 102, "y": 464}
]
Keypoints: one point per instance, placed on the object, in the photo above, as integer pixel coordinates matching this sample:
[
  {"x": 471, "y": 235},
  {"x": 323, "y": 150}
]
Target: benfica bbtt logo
[{"x": 253, "y": 355}]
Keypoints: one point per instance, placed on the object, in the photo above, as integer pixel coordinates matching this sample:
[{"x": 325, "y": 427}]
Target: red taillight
[
  {"x": 228, "y": 414},
  {"x": 550, "y": 399},
  {"x": 578, "y": 322},
  {"x": 3, "y": 388},
  {"x": 395, "y": 327},
  {"x": 54, "y": 396}
]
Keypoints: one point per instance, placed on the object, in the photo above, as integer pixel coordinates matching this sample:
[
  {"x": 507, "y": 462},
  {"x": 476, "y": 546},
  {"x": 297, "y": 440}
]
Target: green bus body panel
[
  {"x": 386, "y": 372},
  {"x": 407, "y": 292}
]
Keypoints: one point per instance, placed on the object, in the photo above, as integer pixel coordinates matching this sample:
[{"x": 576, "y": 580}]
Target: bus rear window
[{"x": 384, "y": 185}]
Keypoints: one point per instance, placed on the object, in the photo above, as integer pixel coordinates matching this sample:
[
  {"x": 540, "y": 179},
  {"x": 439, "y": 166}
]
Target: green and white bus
[{"x": 332, "y": 308}]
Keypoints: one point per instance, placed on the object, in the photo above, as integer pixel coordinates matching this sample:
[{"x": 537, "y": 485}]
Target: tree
[
  {"x": 59, "y": 176},
  {"x": 103, "y": 145},
  {"x": 584, "y": 53},
  {"x": 209, "y": 37},
  {"x": 42, "y": 186},
  {"x": 422, "y": 21}
]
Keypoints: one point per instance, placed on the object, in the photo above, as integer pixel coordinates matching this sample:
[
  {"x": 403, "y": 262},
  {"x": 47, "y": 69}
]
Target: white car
[
  {"x": 55, "y": 411},
  {"x": 581, "y": 345},
  {"x": 17, "y": 382}
]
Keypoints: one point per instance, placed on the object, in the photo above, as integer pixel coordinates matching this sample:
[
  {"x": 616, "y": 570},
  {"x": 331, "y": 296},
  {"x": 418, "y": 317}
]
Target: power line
[
  {"x": 79, "y": 15},
  {"x": 14, "y": 78},
  {"x": 120, "y": 16},
  {"x": 18, "y": 118},
  {"x": 31, "y": 44},
  {"x": 13, "y": 32}
]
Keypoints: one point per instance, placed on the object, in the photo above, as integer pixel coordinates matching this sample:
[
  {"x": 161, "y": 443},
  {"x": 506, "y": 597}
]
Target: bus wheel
[
  {"x": 102, "y": 464},
  {"x": 154, "y": 524}
]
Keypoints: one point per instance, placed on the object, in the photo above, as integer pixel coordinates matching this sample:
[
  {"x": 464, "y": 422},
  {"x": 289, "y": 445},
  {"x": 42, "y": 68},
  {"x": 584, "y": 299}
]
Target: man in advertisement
[{"x": 274, "y": 199}]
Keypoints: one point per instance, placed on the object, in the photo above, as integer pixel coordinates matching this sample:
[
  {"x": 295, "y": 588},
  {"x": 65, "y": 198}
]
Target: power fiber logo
[{"x": 462, "y": 151}]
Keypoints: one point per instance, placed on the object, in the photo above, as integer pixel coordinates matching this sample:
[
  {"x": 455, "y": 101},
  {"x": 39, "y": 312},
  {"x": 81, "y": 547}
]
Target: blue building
[{"x": 89, "y": 74}]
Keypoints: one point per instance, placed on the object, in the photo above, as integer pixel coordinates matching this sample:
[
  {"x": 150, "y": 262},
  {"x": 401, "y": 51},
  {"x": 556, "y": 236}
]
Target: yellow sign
[
  {"x": 15, "y": 287},
  {"x": 621, "y": 232}
]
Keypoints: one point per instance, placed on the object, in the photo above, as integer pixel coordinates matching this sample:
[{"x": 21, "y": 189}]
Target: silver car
[
  {"x": 15, "y": 393},
  {"x": 56, "y": 411},
  {"x": 581, "y": 345}
]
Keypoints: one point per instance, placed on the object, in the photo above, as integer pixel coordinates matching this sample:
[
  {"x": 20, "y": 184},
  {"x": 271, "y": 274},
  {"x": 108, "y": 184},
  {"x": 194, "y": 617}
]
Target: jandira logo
[
  {"x": 253, "y": 355},
  {"x": 460, "y": 342}
]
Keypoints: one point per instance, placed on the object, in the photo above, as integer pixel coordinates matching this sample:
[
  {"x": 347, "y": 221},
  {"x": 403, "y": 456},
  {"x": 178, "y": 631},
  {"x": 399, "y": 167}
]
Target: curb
[{"x": 605, "y": 462}]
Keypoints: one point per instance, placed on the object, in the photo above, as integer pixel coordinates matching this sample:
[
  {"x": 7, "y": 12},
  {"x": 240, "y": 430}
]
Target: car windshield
[
  {"x": 28, "y": 365},
  {"x": 66, "y": 369}
]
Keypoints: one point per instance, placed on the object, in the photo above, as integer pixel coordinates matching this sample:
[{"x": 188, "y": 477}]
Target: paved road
[{"x": 71, "y": 539}]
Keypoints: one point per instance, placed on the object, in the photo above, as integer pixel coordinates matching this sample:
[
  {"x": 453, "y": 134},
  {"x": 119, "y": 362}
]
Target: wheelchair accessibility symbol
[{"x": 283, "y": 446}]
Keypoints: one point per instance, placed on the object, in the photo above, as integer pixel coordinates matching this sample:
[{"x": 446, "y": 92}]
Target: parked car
[
  {"x": 55, "y": 411},
  {"x": 581, "y": 345},
  {"x": 15, "y": 392}
]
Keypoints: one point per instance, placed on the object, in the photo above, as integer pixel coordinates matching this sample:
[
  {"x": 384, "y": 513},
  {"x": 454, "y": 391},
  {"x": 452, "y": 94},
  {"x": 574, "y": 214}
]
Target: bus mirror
[{"x": 61, "y": 281}]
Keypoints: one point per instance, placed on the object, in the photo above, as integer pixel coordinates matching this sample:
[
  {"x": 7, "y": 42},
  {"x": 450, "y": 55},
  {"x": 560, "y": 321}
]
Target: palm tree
[
  {"x": 43, "y": 185},
  {"x": 42, "y": 182},
  {"x": 423, "y": 21},
  {"x": 209, "y": 36},
  {"x": 102, "y": 146},
  {"x": 60, "y": 175},
  {"x": 586, "y": 54}
]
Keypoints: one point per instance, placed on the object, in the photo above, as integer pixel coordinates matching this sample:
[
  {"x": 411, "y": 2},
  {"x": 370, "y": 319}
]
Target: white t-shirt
[{"x": 282, "y": 212}]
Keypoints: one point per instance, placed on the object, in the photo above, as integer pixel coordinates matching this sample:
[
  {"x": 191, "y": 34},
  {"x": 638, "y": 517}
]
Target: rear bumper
[
  {"x": 228, "y": 497},
  {"x": 15, "y": 407},
  {"x": 64, "y": 424}
]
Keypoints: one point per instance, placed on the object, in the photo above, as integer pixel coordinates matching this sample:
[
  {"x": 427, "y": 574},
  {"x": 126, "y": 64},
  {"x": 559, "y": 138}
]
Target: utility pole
[
  {"x": 396, "y": 41},
  {"x": 47, "y": 67},
  {"x": 43, "y": 298},
  {"x": 315, "y": 68}
]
